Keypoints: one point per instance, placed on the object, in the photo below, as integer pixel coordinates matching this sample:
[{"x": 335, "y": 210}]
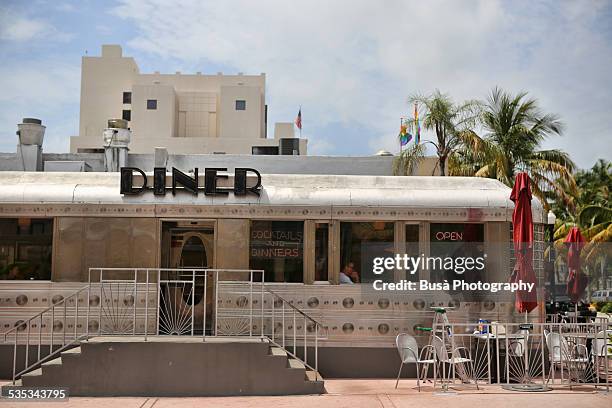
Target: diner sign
[{"x": 186, "y": 182}]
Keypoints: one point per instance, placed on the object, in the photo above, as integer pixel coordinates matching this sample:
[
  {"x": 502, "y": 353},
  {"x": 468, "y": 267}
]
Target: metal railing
[
  {"x": 49, "y": 343},
  {"x": 285, "y": 317},
  {"x": 147, "y": 302},
  {"x": 527, "y": 353}
]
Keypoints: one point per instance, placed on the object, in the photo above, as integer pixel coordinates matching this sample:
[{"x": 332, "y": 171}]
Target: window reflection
[
  {"x": 277, "y": 248},
  {"x": 25, "y": 248},
  {"x": 456, "y": 241},
  {"x": 321, "y": 251},
  {"x": 360, "y": 243},
  {"x": 412, "y": 249}
]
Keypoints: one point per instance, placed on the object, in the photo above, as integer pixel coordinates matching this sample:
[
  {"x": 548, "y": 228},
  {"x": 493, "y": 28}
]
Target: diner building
[
  {"x": 307, "y": 226},
  {"x": 302, "y": 230}
]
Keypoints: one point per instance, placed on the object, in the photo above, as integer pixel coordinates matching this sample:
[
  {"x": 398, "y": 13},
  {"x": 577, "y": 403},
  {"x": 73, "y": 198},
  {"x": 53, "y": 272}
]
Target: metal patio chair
[
  {"x": 563, "y": 354},
  {"x": 463, "y": 365},
  {"x": 602, "y": 354},
  {"x": 408, "y": 350}
]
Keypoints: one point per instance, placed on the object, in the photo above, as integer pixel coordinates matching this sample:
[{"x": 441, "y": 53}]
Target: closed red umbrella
[
  {"x": 577, "y": 281},
  {"x": 522, "y": 238}
]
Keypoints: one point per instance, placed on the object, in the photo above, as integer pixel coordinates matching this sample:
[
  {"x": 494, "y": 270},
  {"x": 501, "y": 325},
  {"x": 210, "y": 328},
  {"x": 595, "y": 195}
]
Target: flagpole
[
  {"x": 301, "y": 122},
  {"x": 400, "y": 138}
]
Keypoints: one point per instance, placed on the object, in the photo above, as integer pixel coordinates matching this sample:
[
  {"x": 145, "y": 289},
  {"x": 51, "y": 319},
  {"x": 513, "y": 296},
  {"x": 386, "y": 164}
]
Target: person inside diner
[{"x": 349, "y": 274}]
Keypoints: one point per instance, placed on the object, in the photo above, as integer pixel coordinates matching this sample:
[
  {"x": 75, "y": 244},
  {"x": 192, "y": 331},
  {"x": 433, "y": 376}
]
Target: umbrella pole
[
  {"x": 576, "y": 311},
  {"x": 526, "y": 379}
]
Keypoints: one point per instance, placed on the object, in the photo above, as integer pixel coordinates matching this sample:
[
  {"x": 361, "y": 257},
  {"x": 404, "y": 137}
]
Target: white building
[{"x": 184, "y": 113}]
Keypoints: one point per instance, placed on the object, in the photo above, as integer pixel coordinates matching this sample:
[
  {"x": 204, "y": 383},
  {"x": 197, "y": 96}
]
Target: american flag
[{"x": 298, "y": 120}]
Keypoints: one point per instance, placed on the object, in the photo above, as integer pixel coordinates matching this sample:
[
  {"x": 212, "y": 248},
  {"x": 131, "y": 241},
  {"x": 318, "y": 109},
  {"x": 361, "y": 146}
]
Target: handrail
[
  {"x": 300, "y": 311},
  {"x": 283, "y": 343},
  {"x": 40, "y": 358},
  {"x": 133, "y": 296}
]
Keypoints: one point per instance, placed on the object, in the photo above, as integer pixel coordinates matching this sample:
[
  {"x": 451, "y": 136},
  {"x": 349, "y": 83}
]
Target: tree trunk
[{"x": 442, "y": 161}]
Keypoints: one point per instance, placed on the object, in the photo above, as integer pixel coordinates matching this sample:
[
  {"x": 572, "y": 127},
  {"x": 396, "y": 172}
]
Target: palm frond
[
  {"x": 591, "y": 214},
  {"x": 405, "y": 163}
]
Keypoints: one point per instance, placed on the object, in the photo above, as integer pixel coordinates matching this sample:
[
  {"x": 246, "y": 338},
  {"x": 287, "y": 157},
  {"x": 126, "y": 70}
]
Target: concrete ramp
[{"x": 174, "y": 366}]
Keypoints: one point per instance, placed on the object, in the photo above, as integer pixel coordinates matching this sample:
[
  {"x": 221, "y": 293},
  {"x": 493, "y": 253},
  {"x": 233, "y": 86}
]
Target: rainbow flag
[{"x": 404, "y": 136}]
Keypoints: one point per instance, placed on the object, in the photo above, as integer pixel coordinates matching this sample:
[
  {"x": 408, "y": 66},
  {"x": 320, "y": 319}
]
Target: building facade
[
  {"x": 301, "y": 230},
  {"x": 184, "y": 113}
]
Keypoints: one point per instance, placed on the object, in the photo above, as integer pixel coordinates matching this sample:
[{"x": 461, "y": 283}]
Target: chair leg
[
  {"x": 435, "y": 374},
  {"x": 398, "y": 374},
  {"x": 418, "y": 377}
]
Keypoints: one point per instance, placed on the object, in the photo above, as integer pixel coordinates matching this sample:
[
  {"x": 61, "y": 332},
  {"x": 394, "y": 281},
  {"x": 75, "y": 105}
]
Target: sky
[{"x": 350, "y": 65}]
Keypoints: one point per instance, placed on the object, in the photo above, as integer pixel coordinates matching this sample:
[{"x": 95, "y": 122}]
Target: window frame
[
  {"x": 127, "y": 97},
  {"x": 150, "y": 103}
]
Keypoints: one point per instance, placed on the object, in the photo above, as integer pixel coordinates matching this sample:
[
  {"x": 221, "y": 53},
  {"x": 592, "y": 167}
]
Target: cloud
[
  {"x": 354, "y": 63},
  {"x": 51, "y": 94},
  {"x": 15, "y": 27}
]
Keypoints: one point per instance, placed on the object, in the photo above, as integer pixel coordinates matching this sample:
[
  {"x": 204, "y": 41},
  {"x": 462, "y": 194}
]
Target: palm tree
[
  {"x": 592, "y": 206},
  {"x": 451, "y": 123},
  {"x": 589, "y": 210},
  {"x": 514, "y": 127}
]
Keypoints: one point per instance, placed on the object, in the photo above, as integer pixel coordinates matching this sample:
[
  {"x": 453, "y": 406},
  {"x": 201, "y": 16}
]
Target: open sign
[{"x": 449, "y": 236}]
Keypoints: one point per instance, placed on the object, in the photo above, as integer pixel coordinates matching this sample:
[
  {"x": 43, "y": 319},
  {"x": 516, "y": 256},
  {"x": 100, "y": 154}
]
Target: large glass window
[
  {"x": 457, "y": 242},
  {"x": 360, "y": 243},
  {"x": 26, "y": 245},
  {"x": 277, "y": 247}
]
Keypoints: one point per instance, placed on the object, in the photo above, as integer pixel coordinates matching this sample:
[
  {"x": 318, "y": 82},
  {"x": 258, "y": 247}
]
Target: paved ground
[{"x": 366, "y": 394}]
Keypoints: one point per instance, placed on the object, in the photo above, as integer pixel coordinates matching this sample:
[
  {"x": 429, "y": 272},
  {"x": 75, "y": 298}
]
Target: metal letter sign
[{"x": 187, "y": 182}]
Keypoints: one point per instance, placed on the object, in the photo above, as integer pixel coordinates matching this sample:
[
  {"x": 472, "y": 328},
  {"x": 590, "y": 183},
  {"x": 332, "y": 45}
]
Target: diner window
[
  {"x": 127, "y": 97},
  {"x": 151, "y": 104},
  {"x": 360, "y": 243},
  {"x": 412, "y": 249},
  {"x": 240, "y": 104},
  {"x": 277, "y": 247},
  {"x": 25, "y": 248},
  {"x": 452, "y": 244},
  {"x": 321, "y": 252}
]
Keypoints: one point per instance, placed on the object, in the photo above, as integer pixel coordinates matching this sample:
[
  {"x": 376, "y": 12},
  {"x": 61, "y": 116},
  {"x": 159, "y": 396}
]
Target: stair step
[
  {"x": 293, "y": 363},
  {"x": 313, "y": 376},
  {"x": 56, "y": 361},
  {"x": 34, "y": 373},
  {"x": 277, "y": 351},
  {"x": 74, "y": 350}
]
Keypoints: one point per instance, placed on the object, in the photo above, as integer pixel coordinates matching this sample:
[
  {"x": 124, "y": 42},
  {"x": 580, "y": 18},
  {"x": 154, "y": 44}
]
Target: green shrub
[{"x": 606, "y": 308}]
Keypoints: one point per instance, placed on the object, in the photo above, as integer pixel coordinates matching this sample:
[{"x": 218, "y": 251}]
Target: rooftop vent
[
  {"x": 116, "y": 139},
  {"x": 31, "y": 133}
]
